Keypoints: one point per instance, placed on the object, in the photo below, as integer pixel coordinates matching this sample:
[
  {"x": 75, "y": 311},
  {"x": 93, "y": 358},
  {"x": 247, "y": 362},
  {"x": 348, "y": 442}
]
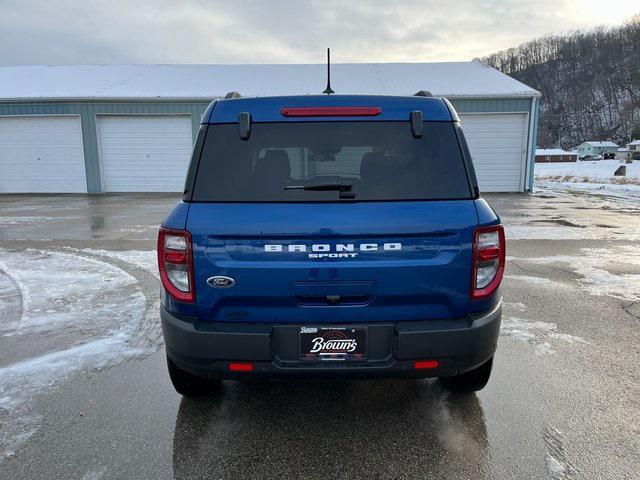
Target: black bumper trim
[{"x": 205, "y": 348}]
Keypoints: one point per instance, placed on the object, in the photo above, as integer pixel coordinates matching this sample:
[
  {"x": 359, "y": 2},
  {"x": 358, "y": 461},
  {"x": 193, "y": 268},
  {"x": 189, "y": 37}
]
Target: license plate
[{"x": 333, "y": 343}]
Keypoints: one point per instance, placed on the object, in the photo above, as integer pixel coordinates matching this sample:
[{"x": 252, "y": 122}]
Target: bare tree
[{"x": 590, "y": 82}]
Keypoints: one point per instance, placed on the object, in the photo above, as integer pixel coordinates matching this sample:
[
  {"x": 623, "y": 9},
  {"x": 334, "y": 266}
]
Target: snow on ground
[
  {"x": 536, "y": 333},
  {"x": 11, "y": 221},
  {"x": 595, "y": 266},
  {"x": 594, "y": 177},
  {"x": 561, "y": 232},
  {"x": 58, "y": 289},
  {"x": 563, "y": 212},
  {"x": 628, "y": 193},
  {"x": 610, "y": 271},
  {"x": 48, "y": 294},
  {"x": 535, "y": 281},
  {"x": 599, "y": 171},
  {"x": 145, "y": 259},
  {"x": 539, "y": 334},
  {"x": 10, "y": 303}
]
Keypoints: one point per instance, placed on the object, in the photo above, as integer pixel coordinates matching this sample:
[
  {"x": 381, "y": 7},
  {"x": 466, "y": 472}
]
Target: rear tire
[
  {"x": 471, "y": 381},
  {"x": 190, "y": 385}
]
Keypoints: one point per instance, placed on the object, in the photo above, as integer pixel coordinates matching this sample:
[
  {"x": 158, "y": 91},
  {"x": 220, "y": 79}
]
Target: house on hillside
[
  {"x": 623, "y": 153},
  {"x": 597, "y": 148},
  {"x": 547, "y": 155},
  {"x": 630, "y": 152}
]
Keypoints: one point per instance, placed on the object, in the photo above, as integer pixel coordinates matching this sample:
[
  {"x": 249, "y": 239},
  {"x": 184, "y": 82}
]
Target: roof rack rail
[
  {"x": 233, "y": 94},
  {"x": 423, "y": 93}
]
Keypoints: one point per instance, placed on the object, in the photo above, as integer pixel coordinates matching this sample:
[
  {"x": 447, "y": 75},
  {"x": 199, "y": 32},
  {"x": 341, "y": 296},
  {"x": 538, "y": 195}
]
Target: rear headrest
[
  {"x": 274, "y": 164},
  {"x": 373, "y": 166}
]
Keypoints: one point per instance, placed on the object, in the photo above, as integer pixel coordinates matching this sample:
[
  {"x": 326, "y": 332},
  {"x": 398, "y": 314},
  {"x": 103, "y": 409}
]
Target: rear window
[{"x": 312, "y": 161}]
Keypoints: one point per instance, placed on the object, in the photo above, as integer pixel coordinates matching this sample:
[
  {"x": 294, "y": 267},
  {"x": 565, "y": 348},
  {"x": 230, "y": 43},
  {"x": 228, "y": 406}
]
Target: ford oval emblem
[{"x": 221, "y": 282}]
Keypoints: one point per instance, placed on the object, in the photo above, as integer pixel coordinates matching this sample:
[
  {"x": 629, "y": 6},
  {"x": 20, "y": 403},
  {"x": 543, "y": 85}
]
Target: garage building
[{"x": 130, "y": 128}]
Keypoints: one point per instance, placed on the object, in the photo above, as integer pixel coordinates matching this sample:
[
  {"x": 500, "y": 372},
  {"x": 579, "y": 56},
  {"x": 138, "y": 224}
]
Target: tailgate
[{"x": 332, "y": 262}]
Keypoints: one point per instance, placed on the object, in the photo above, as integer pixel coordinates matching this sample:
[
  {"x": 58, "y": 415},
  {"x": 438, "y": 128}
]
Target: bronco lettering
[{"x": 329, "y": 251}]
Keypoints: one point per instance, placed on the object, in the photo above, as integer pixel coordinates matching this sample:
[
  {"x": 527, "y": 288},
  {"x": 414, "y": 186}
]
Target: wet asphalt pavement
[{"x": 84, "y": 392}]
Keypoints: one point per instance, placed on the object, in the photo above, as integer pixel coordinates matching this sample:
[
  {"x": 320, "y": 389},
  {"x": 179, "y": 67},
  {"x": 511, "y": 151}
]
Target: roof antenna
[{"x": 328, "y": 90}]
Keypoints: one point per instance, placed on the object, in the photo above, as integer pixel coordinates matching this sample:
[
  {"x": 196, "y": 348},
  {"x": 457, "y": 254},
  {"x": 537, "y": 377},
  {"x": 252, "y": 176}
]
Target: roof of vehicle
[
  {"x": 268, "y": 109},
  {"x": 198, "y": 82}
]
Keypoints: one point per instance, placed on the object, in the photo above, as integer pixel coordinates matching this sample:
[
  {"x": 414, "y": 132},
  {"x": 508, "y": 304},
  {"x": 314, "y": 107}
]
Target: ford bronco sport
[{"x": 330, "y": 237}]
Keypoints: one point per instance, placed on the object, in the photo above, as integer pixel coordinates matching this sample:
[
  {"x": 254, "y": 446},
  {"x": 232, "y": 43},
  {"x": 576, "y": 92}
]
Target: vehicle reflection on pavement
[{"x": 383, "y": 429}]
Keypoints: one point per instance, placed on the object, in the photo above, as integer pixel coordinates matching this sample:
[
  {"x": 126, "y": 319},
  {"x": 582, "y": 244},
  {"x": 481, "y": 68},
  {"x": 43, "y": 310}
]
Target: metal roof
[
  {"x": 606, "y": 143},
  {"x": 197, "y": 82}
]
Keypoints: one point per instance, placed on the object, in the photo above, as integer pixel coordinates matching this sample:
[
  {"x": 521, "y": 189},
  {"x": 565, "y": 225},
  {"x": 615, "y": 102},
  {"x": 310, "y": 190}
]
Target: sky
[{"x": 64, "y": 32}]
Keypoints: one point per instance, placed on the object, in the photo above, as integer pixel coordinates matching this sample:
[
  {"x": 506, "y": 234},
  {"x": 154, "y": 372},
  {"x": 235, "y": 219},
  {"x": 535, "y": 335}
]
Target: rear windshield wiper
[{"x": 343, "y": 187}]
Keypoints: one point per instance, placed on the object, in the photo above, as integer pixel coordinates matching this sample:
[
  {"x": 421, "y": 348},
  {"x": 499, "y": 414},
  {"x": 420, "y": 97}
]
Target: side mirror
[
  {"x": 416, "y": 123},
  {"x": 244, "y": 125}
]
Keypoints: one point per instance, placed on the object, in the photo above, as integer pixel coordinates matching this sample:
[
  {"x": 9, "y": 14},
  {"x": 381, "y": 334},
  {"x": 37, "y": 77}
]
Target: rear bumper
[{"x": 205, "y": 348}]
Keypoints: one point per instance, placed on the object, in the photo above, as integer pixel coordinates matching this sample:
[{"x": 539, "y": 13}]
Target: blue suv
[{"x": 330, "y": 237}]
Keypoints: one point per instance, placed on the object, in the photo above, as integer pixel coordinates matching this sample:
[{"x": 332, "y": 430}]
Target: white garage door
[
  {"x": 498, "y": 144},
  {"x": 144, "y": 153},
  {"x": 41, "y": 155}
]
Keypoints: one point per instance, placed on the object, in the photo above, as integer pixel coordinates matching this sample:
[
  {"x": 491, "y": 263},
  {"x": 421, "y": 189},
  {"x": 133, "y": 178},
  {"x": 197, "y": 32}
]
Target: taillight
[
  {"x": 488, "y": 260},
  {"x": 175, "y": 262}
]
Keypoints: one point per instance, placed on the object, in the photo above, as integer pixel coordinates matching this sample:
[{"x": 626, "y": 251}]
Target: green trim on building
[
  {"x": 533, "y": 141},
  {"x": 491, "y": 105},
  {"x": 88, "y": 110}
]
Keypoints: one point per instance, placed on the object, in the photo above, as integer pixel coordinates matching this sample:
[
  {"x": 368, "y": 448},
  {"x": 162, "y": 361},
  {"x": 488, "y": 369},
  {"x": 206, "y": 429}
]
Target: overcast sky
[{"x": 236, "y": 31}]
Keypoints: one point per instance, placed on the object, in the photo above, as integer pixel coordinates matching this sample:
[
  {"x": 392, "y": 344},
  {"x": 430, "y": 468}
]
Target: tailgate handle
[
  {"x": 333, "y": 293},
  {"x": 333, "y": 299}
]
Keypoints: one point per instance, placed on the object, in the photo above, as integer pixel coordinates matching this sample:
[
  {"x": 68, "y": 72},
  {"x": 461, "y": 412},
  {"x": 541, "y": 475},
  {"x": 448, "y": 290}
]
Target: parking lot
[{"x": 84, "y": 392}]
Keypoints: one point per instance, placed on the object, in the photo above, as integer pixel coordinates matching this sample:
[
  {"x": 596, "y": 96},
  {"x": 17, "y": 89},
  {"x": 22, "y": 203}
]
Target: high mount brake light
[
  {"x": 175, "y": 262},
  {"x": 330, "y": 111},
  {"x": 489, "y": 248}
]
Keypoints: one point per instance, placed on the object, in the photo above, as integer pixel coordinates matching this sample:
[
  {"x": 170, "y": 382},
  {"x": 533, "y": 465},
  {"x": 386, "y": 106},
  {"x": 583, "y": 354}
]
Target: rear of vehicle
[{"x": 333, "y": 236}]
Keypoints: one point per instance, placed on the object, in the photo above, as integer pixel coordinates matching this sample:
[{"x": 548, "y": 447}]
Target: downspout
[{"x": 533, "y": 136}]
